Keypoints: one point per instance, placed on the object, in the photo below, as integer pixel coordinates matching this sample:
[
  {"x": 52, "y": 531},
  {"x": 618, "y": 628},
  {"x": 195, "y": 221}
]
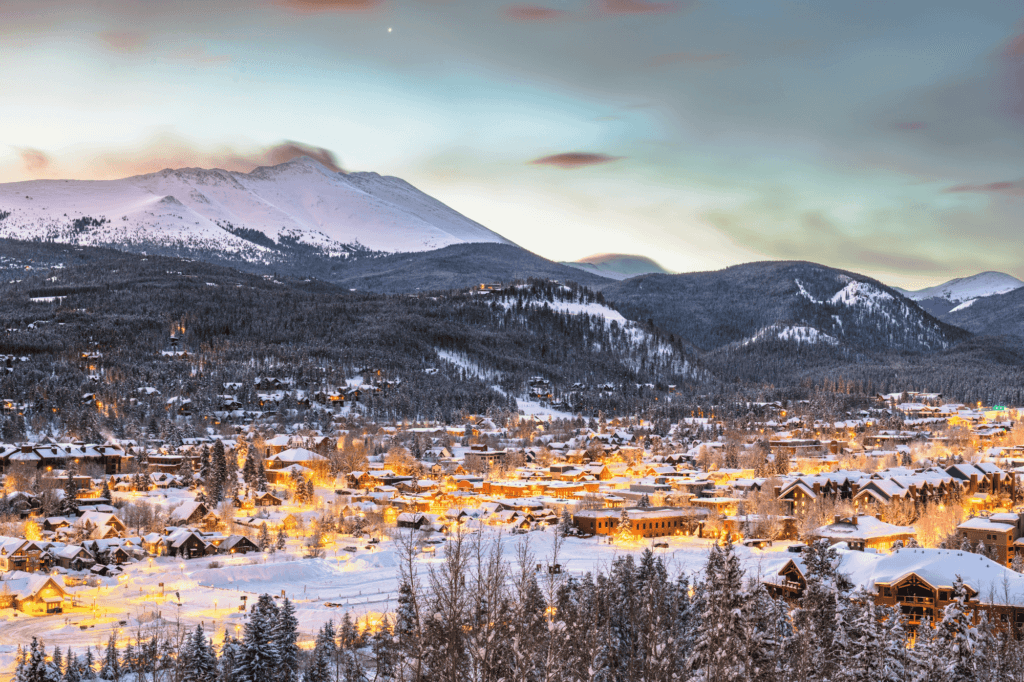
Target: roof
[
  {"x": 867, "y": 528},
  {"x": 298, "y": 455}
]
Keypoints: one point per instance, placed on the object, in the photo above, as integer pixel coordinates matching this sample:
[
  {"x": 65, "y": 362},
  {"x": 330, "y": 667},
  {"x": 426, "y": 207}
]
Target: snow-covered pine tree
[
  {"x": 955, "y": 638},
  {"x": 286, "y": 637},
  {"x": 217, "y": 480},
  {"x": 111, "y": 669},
  {"x": 318, "y": 668},
  {"x": 35, "y": 668},
  {"x": 200, "y": 664},
  {"x": 721, "y": 651},
  {"x": 229, "y": 651},
  {"x": 644, "y": 503},
  {"x": 624, "y": 529},
  {"x": 69, "y": 503},
  {"x": 382, "y": 643},
  {"x": 282, "y": 538},
  {"x": 249, "y": 470},
  {"x": 204, "y": 464},
  {"x": 261, "y": 476},
  {"x": 257, "y": 659},
  {"x": 263, "y": 539},
  {"x": 72, "y": 668},
  {"x": 565, "y": 526},
  {"x": 57, "y": 664}
]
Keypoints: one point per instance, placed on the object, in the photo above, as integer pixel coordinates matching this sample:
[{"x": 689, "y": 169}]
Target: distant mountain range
[{"x": 617, "y": 266}]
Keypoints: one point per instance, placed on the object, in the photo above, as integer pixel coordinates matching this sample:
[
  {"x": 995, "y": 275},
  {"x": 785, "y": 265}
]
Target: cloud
[
  {"x": 693, "y": 58},
  {"x": 124, "y": 42},
  {"x": 639, "y": 6},
  {"x": 314, "y": 6},
  {"x": 34, "y": 159},
  {"x": 534, "y": 13},
  {"x": 1012, "y": 188},
  {"x": 911, "y": 125},
  {"x": 574, "y": 159},
  {"x": 288, "y": 150}
]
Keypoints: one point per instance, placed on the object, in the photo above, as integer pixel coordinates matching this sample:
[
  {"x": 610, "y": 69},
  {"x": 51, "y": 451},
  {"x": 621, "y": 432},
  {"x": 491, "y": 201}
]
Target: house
[
  {"x": 17, "y": 554},
  {"x": 267, "y": 499},
  {"x": 237, "y": 544},
  {"x": 100, "y": 525},
  {"x": 192, "y": 514},
  {"x": 187, "y": 544},
  {"x": 651, "y": 522},
  {"x": 33, "y": 594},
  {"x": 999, "y": 533},
  {"x": 863, "y": 532},
  {"x": 75, "y": 558},
  {"x": 412, "y": 520}
]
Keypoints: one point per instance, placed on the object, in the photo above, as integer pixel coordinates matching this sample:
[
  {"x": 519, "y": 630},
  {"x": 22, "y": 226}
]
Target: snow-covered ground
[{"x": 364, "y": 582}]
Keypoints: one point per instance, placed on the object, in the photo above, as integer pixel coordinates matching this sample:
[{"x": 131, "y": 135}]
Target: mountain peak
[
  {"x": 961, "y": 289},
  {"x": 302, "y": 201},
  {"x": 618, "y": 265}
]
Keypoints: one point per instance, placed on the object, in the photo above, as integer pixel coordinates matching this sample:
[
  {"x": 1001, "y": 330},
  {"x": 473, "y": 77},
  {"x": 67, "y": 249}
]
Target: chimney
[
  {"x": 26, "y": 449},
  {"x": 817, "y": 488},
  {"x": 836, "y": 519},
  {"x": 974, "y": 484},
  {"x": 854, "y": 489}
]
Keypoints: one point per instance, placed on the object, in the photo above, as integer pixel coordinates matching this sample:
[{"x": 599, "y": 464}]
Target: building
[
  {"x": 1000, "y": 533},
  {"x": 863, "y": 532},
  {"x": 479, "y": 458},
  {"x": 651, "y": 522}
]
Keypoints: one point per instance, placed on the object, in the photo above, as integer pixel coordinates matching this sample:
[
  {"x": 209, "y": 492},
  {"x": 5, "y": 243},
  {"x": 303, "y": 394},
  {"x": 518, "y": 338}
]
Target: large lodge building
[
  {"x": 647, "y": 523},
  {"x": 920, "y": 582}
]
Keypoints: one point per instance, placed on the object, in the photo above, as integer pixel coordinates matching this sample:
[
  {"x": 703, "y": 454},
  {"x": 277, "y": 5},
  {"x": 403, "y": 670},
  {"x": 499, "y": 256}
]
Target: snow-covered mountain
[
  {"x": 959, "y": 294},
  {"x": 966, "y": 288},
  {"x": 300, "y": 203},
  {"x": 617, "y": 265},
  {"x": 779, "y": 302}
]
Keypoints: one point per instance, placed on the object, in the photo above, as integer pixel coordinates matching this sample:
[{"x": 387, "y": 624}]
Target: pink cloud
[
  {"x": 125, "y": 42},
  {"x": 569, "y": 160},
  {"x": 1011, "y": 188},
  {"x": 34, "y": 159},
  {"x": 639, "y": 6},
  {"x": 534, "y": 13}
]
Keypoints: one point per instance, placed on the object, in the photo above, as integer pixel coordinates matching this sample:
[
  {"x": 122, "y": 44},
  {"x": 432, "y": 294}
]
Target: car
[
  {"x": 661, "y": 545},
  {"x": 333, "y": 605},
  {"x": 796, "y": 549}
]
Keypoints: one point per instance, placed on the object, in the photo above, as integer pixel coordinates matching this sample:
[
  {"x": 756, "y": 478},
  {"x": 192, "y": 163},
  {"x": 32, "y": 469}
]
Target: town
[{"x": 920, "y": 500}]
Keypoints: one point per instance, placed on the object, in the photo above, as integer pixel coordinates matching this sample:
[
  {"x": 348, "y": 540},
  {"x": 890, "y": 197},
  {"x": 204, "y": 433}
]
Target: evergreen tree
[
  {"x": 89, "y": 665},
  {"x": 200, "y": 663},
  {"x": 624, "y": 529},
  {"x": 318, "y": 668},
  {"x": 286, "y": 636},
  {"x": 228, "y": 659},
  {"x": 57, "y": 664},
  {"x": 72, "y": 668},
  {"x": 644, "y": 503},
  {"x": 204, "y": 464},
  {"x": 257, "y": 658},
  {"x": 263, "y": 539},
  {"x": 565, "y": 526},
  {"x": 721, "y": 651},
  {"x": 249, "y": 470},
  {"x": 955, "y": 638},
  {"x": 33, "y": 666},
  {"x": 69, "y": 503},
  {"x": 216, "y": 483},
  {"x": 111, "y": 669},
  {"x": 384, "y": 654},
  {"x": 282, "y": 538}
]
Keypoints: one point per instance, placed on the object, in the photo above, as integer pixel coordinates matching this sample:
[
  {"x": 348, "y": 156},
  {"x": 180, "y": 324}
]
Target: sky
[{"x": 884, "y": 137}]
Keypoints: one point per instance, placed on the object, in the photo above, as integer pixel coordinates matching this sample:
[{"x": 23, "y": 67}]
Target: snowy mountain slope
[
  {"x": 616, "y": 265},
  {"x": 246, "y": 214},
  {"x": 966, "y": 288},
  {"x": 789, "y": 302}
]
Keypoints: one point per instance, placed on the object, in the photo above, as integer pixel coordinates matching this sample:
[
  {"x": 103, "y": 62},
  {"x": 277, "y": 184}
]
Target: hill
[{"x": 617, "y": 266}]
